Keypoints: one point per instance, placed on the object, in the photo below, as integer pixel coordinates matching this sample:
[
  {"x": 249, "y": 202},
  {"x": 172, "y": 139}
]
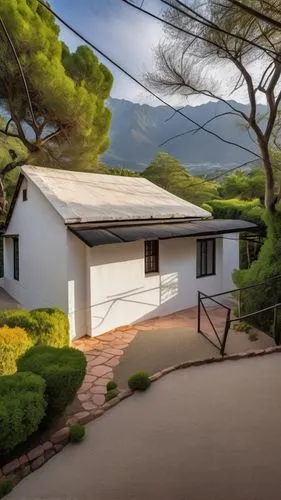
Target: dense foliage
[
  {"x": 235, "y": 208},
  {"x": 67, "y": 90},
  {"x": 63, "y": 371},
  {"x": 246, "y": 186},
  {"x": 266, "y": 266},
  {"x": 168, "y": 173},
  {"x": 44, "y": 326},
  {"x": 22, "y": 408},
  {"x": 14, "y": 342}
]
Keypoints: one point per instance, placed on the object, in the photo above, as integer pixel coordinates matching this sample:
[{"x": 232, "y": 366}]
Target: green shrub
[
  {"x": 22, "y": 408},
  {"x": 140, "y": 381},
  {"x": 63, "y": 370},
  {"x": 52, "y": 326},
  {"x": 268, "y": 291},
  {"x": 45, "y": 326},
  {"x": 112, "y": 393},
  {"x": 13, "y": 343},
  {"x": 6, "y": 486},
  {"x": 76, "y": 433},
  {"x": 111, "y": 385}
]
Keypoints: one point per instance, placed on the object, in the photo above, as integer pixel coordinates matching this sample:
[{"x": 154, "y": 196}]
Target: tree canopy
[
  {"x": 168, "y": 173},
  {"x": 67, "y": 124},
  {"x": 246, "y": 186}
]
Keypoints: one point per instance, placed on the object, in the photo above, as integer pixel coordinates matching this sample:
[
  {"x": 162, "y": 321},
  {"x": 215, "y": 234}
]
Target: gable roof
[{"x": 87, "y": 197}]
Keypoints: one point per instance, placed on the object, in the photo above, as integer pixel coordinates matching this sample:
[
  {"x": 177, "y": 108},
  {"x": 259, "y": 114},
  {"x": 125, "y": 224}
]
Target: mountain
[{"x": 138, "y": 130}]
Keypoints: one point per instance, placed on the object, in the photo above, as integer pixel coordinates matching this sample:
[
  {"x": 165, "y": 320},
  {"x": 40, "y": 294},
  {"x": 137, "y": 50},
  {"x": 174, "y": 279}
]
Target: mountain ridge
[{"x": 139, "y": 130}]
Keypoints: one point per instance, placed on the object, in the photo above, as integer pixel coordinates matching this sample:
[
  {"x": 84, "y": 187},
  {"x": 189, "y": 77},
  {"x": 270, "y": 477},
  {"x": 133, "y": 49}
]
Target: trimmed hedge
[
  {"x": 14, "y": 342},
  {"x": 62, "y": 369},
  {"x": 45, "y": 326},
  {"x": 22, "y": 408},
  {"x": 53, "y": 326},
  {"x": 251, "y": 211}
]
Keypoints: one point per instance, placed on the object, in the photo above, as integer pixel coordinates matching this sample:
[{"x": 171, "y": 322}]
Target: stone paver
[{"x": 105, "y": 351}]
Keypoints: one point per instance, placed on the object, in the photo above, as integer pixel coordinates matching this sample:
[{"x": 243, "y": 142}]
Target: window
[
  {"x": 206, "y": 257},
  {"x": 24, "y": 194},
  {"x": 16, "y": 258},
  {"x": 151, "y": 256}
]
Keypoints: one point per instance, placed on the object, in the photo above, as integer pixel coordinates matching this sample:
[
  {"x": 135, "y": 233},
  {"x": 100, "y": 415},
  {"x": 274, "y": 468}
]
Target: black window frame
[
  {"x": 24, "y": 194},
  {"x": 205, "y": 265},
  {"x": 16, "y": 258},
  {"x": 151, "y": 257}
]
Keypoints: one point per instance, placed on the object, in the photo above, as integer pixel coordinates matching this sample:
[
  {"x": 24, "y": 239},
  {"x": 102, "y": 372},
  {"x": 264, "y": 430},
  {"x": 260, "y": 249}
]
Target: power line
[
  {"x": 123, "y": 70},
  {"x": 204, "y": 21},
  {"x": 21, "y": 70}
]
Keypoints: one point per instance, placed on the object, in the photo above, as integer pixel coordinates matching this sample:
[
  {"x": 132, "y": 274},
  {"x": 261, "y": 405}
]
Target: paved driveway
[{"x": 204, "y": 433}]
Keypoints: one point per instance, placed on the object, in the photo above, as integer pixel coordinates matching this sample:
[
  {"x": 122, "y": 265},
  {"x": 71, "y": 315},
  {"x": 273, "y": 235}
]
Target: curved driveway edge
[{"x": 24, "y": 465}]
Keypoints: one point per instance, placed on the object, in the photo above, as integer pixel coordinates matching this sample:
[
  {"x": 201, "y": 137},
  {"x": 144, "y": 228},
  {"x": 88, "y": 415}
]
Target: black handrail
[{"x": 203, "y": 296}]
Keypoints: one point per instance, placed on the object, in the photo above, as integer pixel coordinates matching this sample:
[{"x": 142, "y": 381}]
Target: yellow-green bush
[
  {"x": 14, "y": 342},
  {"x": 44, "y": 326},
  {"x": 53, "y": 326}
]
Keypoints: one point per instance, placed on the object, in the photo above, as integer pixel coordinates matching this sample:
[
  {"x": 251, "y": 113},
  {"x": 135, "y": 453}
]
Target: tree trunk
[{"x": 270, "y": 198}]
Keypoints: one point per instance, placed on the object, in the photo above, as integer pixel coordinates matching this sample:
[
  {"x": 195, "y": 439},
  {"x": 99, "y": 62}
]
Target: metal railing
[{"x": 220, "y": 342}]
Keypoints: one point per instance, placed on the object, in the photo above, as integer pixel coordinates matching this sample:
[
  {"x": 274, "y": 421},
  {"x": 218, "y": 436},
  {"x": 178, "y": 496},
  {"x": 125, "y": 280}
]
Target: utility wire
[
  {"x": 199, "y": 19},
  {"x": 21, "y": 70},
  {"x": 118, "y": 66}
]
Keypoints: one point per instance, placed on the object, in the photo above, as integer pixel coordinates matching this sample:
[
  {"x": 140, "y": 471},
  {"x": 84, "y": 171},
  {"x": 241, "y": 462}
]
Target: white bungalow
[{"x": 112, "y": 250}]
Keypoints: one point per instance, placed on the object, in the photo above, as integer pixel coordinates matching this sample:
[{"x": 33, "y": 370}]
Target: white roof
[{"x": 89, "y": 197}]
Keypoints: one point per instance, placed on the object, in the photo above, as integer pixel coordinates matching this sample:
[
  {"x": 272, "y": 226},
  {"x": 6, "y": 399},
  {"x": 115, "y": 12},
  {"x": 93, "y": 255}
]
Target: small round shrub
[
  {"x": 14, "y": 342},
  {"x": 22, "y": 408},
  {"x": 111, "y": 394},
  {"x": 111, "y": 385},
  {"x": 63, "y": 370},
  {"x": 76, "y": 433},
  {"x": 140, "y": 381}
]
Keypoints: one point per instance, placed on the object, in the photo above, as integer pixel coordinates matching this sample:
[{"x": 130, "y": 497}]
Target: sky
[
  {"x": 124, "y": 34},
  {"x": 127, "y": 36}
]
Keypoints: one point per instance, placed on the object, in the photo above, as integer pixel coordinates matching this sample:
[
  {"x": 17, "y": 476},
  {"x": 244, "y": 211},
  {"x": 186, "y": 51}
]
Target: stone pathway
[{"x": 104, "y": 352}]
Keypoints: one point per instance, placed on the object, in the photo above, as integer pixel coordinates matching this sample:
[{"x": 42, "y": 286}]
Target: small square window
[
  {"x": 151, "y": 249},
  {"x": 206, "y": 258},
  {"x": 16, "y": 258},
  {"x": 24, "y": 195}
]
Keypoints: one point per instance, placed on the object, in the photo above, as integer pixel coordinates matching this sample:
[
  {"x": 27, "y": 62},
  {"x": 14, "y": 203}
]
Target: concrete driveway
[{"x": 204, "y": 433}]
